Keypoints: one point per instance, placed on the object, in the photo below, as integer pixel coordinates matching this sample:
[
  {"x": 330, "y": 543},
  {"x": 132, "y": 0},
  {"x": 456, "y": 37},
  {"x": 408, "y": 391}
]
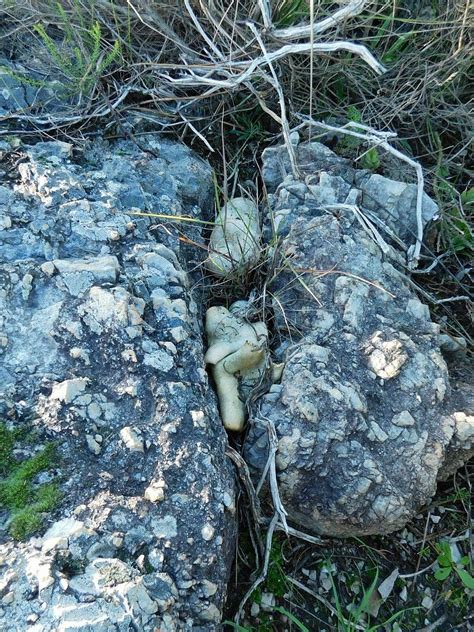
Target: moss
[
  {"x": 29, "y": 519},
  {"x": 27, "y": 502},
  {"x": 7, "y": 442}
]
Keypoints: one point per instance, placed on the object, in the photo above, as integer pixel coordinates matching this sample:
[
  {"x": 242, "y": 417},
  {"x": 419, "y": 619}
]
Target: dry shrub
[
  {"x": 230, "y": 76},
  {"x": 182, "y": 63}
]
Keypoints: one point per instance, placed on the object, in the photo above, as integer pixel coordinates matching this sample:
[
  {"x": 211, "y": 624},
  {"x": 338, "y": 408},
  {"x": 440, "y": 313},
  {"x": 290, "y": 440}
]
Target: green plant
[
  {"x": 7, "y": 442},
  {"x": 290, "y": 12},
  {"x": 266, "y": 625},
  {"x": 82, "y": 57},
  {"x": 395, "y": 51},
  {"x": 27, "y": 81},
  {"x": 456, "y": 232},
  {"x": 351, "y": 146},
  {"x": 371, "y": 160},
  {"x": 29, "y": 519},
  {"x": 448, "y": 567},
  {"x": 248, "y": 125},
  {"x": 425, "y": 552},
  {"x": 276, "y": 581},
  {"x": 26, "y": 501},
  {"x": 292, "y": 618},
  {"x": 357, "y": 614},
  {"x": 461, "y": 494}
]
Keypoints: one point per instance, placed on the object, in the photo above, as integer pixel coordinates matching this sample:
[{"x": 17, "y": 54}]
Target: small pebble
[{"x": 207, "y": 532}]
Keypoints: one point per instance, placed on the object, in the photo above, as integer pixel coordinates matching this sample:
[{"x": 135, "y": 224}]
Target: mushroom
[
  {"x": 234, "y": 246},
  {"x": 238, "y": 357}
]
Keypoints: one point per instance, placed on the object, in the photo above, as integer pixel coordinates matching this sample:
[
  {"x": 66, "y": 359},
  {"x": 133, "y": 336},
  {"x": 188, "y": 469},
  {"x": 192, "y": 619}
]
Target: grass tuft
[{"x": 27, "y": 503}]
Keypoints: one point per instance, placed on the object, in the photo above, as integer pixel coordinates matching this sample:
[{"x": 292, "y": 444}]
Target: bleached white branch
[
  {"x": 201, "y": 30},
  {"x": 261, "y": 578},
  {"x": 281, "y": 100},
  {"x": 266, "y": 11},
  {"x": 249, "y": 68},
  {"x": 365, "y": 222},
  {"x": 296, "y": 32},
  {"x": 381, "y": 140}
]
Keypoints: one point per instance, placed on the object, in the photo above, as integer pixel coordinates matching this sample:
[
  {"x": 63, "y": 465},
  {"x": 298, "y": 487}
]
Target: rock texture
[
  {"x": 363, "y": 414},
  {"x": 101, "y": 351}
]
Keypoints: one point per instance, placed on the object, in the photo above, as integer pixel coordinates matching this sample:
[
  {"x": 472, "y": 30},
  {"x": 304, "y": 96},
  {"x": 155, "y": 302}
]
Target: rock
[
  {"x": 364, "y": 415},
  {"x": 131, "y": 438},
  {"x": 155, "y": 492},
  {"x": 395, "y": 204},
  {"x": 207, "y": 532},
  {"x": 461, "y": 417},
  {"x": 234, "y": 246},
  {"x": 62, "y": 532},
  {"x": 93, "y": 444},
  {"x": 331, "y": 179},
  {"x": 81, "y": 274},
  {"x": 68, "y": 390},
  {"x": 23, "y": 89},
  {"x": 102, "y": 353}
]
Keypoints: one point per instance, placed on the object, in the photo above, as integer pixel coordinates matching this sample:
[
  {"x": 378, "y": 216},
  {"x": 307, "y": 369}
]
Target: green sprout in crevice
[
  {"x": 84, "y": 55},
  {"x": 26, "y": 502}
]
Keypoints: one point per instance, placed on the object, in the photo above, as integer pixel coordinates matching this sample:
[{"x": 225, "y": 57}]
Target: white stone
[
  {"x": 68, "y": 390},
  {"x": 403, "y": 419},
  {"x": 48, "y": 268},
  {"x": 376, "y": 433},
  {"x": 132, "y": 439},
  {"x": 211, "y": 614},
  {"x": 268, "y": 601},
  {"x": 94, "y": 411},
  {"x": 59, "y": 534},
  {"x": 155, "y": 492},
  {"x": 207, "y": 532},
  {"x": 92, "y": 444},
  {"x": 81, "y": 274},
  {"x": 165, "y": 528},
  {"x": 80, "y": 354},
  {"x": 209, "y": 588}
]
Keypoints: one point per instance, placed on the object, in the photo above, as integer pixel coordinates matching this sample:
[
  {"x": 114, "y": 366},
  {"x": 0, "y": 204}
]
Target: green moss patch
[{"x": 26, "y": 502}]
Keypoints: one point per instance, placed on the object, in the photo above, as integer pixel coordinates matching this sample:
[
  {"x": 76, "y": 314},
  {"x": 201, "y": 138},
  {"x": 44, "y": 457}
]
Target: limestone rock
[
  {"x": 330, "y": 179},
  {"x": 102, "y": 352},
  {"x": 363, "y": 415}
]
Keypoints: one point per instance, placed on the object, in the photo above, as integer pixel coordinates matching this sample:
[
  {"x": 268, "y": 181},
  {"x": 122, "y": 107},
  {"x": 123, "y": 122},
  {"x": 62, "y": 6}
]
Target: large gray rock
[
  {"x": 24, "y": 92},
  {"x": 362, "y": 415},
  {"x": 328, "y": 179},
  {"x": 102, "y": 352}
]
